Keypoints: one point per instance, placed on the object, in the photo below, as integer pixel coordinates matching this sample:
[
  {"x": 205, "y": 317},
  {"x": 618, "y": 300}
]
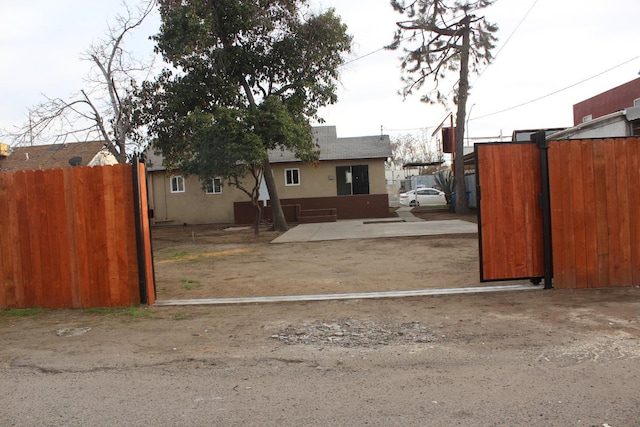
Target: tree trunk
[
  {"x": 258, "y": 218},
  {"x": 462, "y": 206},
  {"x": 279, "y": 221}
]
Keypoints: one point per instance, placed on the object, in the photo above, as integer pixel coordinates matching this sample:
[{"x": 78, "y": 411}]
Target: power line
[{"x": 557, "y": 91}]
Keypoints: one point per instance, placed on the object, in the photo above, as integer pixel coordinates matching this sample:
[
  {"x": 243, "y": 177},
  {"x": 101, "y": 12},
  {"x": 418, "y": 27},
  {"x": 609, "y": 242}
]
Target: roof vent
[{"x": 75, "y": 161}]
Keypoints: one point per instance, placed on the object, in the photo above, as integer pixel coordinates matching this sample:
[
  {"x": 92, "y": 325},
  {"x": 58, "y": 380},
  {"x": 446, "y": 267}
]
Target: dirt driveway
[
  {"x": 222, "y": 262},
  {"x": 535, "y": 358}
]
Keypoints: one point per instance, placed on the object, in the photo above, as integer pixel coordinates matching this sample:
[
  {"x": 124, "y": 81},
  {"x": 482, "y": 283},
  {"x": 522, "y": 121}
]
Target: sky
[{"x": 549, "y": 56}]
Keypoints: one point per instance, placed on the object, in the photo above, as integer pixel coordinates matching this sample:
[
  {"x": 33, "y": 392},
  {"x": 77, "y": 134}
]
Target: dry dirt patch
[{"x": 222, "y": 262}]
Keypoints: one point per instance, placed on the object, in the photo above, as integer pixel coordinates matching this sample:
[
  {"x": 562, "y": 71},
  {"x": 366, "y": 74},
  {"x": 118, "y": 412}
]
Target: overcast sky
[{"x": 563, "y": 47}]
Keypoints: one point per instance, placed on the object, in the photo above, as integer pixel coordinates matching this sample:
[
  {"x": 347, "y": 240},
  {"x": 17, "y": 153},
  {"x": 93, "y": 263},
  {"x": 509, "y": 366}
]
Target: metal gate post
[{"x": 540, "y": 139}]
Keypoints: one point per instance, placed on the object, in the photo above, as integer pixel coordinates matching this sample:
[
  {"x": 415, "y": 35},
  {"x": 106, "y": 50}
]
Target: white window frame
[
  {"x": 177, "y": 184},
  {"x": 636, "y": 102},
  {"x": 295, "y": 172},
  {"x": 212, "y": 189}
]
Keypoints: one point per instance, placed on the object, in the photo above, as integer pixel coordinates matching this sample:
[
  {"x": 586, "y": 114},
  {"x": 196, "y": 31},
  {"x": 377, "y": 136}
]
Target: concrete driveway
[{"x": 404, "y": 225}]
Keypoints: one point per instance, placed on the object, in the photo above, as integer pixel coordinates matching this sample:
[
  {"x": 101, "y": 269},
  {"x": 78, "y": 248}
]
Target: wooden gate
[
  {"x": 594, "y": 212},
  {"x": 70, "y": 238},
  {"x": 510, "y": 221}
]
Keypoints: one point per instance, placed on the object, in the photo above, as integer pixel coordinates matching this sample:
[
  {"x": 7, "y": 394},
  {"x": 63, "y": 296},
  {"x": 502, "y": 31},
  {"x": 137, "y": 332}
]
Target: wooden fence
[
  {"x": 68, "y": 239},
  {"x": 595, "y": 212}
]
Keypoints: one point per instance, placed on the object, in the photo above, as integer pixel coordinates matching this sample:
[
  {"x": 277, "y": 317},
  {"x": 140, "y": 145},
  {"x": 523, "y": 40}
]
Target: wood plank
[
  {"x": 633, "y": 177},
  {"x": 130, "y": 235},
  {"x": 590, "y": 218},
  {"x": 533, "y": 213},
  {"x": 81, "y": 212},
  {"x": 15, "y": 240},
  {"x": 559, "y": 183},
  {"x": 7, "y": 282},
  {"x": 111, "y": 232},
  {"x": 96, "y": 227},
  {"x": 22, "y": 246},
  {"x": 487, "y": 196},
  {"x": 615, "y": 249},
  {"x": 71, "y": 239},
  {"x": 518, "y": 254},
  {"x": 146, "y": 231},
  {"x": 37, "y": 234},
  {"x": 623, "y": 214},
  {"x": 60, "y": 238},
  {"x": 602, "y": 231},
  {"x": 119, "y": 180},
  {"x": 579, "y": 209}
]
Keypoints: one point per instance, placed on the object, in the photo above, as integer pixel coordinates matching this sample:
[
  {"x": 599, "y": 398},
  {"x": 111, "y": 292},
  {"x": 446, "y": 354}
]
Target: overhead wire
[{"x": 557, "y": 91}]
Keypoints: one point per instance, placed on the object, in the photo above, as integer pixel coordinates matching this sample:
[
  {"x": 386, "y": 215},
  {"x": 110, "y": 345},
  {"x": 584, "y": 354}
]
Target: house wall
[
  {"x": 193, "y": 206},
  {"x": 320, "y": 180},
  {"x": 607, "y": 102},
  {"x": 613, "y": 125}
]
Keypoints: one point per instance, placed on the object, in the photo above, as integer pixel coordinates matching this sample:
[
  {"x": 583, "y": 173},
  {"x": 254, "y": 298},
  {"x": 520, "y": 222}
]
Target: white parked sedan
[{"x": 426, "y": 197}]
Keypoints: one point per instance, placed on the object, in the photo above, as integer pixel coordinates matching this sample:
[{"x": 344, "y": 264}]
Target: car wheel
[{"x": 412, "y": 203}]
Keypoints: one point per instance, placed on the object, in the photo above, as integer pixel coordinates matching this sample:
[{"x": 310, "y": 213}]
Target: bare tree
[
  {"x": 449, "y": 37},
  {"x": 102, "y": 109},
  {"x": 411, "y": 148}
]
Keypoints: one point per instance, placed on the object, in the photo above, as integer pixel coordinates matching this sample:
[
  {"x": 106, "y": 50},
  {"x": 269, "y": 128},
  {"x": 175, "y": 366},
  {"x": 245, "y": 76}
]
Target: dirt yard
[
  {"x": 195, "y": 262},
  {"x": 526, "y": 358}
]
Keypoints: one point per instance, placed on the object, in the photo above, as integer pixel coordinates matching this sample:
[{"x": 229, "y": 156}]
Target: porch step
[{"x": 308, "y": 216}]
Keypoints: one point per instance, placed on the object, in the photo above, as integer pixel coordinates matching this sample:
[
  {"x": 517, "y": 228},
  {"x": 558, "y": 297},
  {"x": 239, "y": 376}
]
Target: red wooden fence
[
  {"x": 510, "y": 226},
  {"x": 68, "y": 238},
  {"x": 594, "y": 189},
  {"x": 595, "y": 212}
]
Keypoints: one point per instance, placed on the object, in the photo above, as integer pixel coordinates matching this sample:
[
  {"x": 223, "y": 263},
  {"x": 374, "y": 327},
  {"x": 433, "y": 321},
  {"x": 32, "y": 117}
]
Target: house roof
[
  {"x": 334, "y": 148},
  {"x": 325, "y": 137},
  {"x": 53, "y": 156}
]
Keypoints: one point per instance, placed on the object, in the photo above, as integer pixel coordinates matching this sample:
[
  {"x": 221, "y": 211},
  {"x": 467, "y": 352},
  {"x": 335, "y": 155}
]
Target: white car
[{"x": 426, "y": 197}]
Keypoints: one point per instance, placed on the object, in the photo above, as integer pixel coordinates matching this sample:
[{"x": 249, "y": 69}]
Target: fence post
[
  {"x": 142, "y": 267},
  {"x": 540, "y": 139}
]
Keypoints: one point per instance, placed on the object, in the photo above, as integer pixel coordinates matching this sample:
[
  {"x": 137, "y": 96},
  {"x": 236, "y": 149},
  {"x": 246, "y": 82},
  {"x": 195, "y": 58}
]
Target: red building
[{"x": 616, "y": 99}]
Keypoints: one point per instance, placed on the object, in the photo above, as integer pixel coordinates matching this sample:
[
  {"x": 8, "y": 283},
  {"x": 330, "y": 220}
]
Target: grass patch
[
  {"x": 134, "y": 312},
  {"x": 184, "y": 256},
  {"x": 190, "y": 284},
  {"x": 180, "y": 316},
  {"x": 22, "y": 312}
]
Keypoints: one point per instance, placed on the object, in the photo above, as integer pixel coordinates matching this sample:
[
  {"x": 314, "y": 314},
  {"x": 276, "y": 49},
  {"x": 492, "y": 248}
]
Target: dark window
[{"x": 352, "y": 180}]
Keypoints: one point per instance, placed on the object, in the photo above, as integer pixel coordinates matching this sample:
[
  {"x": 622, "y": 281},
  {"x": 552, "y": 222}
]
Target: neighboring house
[
  {"x": 176, "y": 199},
  {"x": 616, "y": 99},
  {"x": 33, "y": 157},
  {"x": 348, "y": 180},
  {"x": 618, "y": 124}
]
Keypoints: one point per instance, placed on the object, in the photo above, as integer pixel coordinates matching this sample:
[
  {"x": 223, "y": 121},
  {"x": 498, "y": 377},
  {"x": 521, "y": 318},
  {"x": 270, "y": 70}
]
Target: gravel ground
[{"x": 536, "y": 358}]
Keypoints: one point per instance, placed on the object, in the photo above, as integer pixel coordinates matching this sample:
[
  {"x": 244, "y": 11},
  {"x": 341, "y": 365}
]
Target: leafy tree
[
  {"x": 266, "y": 65},
  {"x": 102, "y": 110},
  {"x": 444, "y": 36}
]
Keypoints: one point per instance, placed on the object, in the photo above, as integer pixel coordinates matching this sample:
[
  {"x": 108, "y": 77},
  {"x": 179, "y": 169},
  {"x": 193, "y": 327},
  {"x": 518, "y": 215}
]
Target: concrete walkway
[
  {"x": 363, "y": 295},
  {"x": 405, "y": 225}
]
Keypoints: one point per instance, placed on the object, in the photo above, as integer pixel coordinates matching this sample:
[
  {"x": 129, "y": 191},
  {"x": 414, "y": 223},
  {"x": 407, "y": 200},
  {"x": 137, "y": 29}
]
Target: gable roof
[
  {"x": 56, "y": 156},
  {"x": 325, "y": 137},
  {"x": 334, "y": 148}
]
